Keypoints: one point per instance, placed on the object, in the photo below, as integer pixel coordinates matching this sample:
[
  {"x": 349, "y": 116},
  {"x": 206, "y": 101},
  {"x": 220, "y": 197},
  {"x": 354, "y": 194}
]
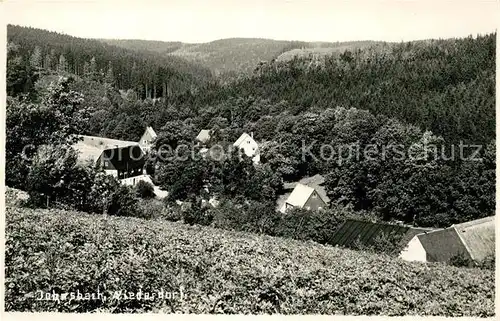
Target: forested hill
[
  {"x": 446, "y": 86},
  {"x": 236, "y": 55},
  {"x": 148, "y": 73}
]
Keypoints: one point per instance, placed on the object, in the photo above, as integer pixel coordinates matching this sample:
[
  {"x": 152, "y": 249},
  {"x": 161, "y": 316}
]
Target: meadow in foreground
[{"x": 218, "y": 271}]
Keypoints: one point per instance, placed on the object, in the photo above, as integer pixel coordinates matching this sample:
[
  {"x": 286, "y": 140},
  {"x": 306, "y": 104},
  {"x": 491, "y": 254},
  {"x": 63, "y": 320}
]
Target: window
[
  {"x": 308, "y": 208},
  {"x": 106, "y": 163},
  {"x": 314, "y": 195},
  {"x": 248, "y": 142}
]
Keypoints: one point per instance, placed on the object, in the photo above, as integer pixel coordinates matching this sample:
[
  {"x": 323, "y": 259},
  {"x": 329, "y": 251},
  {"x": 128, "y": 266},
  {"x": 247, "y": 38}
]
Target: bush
[
  {"x": 144, "y": 190},
  {"x": 460, "y": 260},
  {"x": 387, "y": 243},
  {"x": 15, "y": 197},
  {"x": 317, "y": 226},
  {"x": 488, "y": 263},
  {"x": 253, "y": 217},
  {"x": 151, "y": 208},
  {"x": 195, "y": 213},
  {"x": 262, "y": 218},
  {"x": 124, "y": 202}
]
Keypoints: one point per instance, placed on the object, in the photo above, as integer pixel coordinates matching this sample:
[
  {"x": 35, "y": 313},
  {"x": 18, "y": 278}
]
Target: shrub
[
  {"x": 317, "y": 226},
  {"x": 144, "y": 190},
  {"x": 262, "y": 218},
  {"x": 56, "y": 178},
  {"x": 250, "y": 217},
  {"x": 389, "y": 243},
  {"x": 460, "y": 260},
  {"x": 15, "y": 197},
  {"x": 150, "y": 208},
  {"x": 488, "y": 263},
  {"x": 123, "y": 202},
  {"x": 195, "y": 213}
]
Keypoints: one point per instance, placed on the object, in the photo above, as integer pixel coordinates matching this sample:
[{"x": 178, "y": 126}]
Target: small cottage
[
  {"x": 249, "y": 147},
  {"x": 147, "y": 138},
  {"x": 204, "y": 136},
  {"x": 305, "y": 197}
]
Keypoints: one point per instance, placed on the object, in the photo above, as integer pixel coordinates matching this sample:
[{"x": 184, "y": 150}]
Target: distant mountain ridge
[{"x": 233, "y": 55}]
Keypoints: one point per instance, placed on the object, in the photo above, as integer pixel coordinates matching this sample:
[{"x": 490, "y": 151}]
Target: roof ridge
[{"x": 464, "y": 243}]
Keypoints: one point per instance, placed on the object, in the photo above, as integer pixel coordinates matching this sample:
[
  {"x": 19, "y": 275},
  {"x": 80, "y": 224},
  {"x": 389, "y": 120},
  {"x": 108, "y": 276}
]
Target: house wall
[
  {"x": 146, "y": 140},
  {"x": 131, "y": 181},
  {"x": 314, "y": 202},
  {"x": 112, "y": 172},
  {"x": 250, "y": 147},
  {"x": 414, "y": 251}
]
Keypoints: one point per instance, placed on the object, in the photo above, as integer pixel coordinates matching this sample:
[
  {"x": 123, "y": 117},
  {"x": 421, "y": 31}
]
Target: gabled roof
[
  {"x": 244, "y": 137},
  {"x": 441, "y": 245},
  {"x": 478, "y": 237},
  {"x": 90, "y": 148},
  {"x": 353, "y": 232},
  {"x": 105, "y": 143},
  {"x": 315, "y": 182},
  {"x": 151, "y": 132},
  {"x": 203, "y": 136},
  {"x": 474, "y": 239},
  {"x": 300, "y": 195}
]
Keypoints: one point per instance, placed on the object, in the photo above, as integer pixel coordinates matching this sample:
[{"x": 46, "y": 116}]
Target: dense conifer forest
[{"x": 416, "y": 94}]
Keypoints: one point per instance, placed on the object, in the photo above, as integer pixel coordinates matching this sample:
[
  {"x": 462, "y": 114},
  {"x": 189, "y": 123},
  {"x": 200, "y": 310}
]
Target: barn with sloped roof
[
  {"x": 474, "y": 240},
  {"x": 304, "y": 197},
  {"x": 355, "y": 233}
]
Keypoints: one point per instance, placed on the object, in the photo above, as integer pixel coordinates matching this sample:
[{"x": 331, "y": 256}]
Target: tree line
[
  {"x": 150, "y": 75},
  {"x": 422, "y": 95}
]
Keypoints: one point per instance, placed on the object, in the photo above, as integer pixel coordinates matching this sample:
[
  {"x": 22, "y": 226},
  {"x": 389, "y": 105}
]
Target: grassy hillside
[
  {"x": 161, "y": 47},
  {"x": 321, "y": 49},
  {"x": 237, "y": 54},
  {"x": 218, "y": 271}
]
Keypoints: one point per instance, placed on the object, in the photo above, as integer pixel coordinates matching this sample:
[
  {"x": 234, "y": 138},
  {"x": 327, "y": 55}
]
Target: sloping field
[
  {"x": 322, "y": 51},
  {"x": 204, "y": 270},
  {"x": 234, "y": 54}
]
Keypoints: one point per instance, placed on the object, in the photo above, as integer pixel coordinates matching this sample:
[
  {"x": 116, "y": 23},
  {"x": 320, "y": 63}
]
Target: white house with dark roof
[
  {"x": 121, "y": 159},
  {"x": 306, "y": 197},
  {"x": 249, "y": 147},
  {"x": 204, "y": 136},
  {"x": 147, "y": 138}
]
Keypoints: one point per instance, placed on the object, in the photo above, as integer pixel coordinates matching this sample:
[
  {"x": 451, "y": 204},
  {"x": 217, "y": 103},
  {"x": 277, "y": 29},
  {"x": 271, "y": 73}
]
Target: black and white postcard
[{"x": 279, "y": 157}]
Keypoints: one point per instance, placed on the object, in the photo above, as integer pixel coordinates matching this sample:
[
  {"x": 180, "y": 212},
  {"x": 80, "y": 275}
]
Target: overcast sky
[{"x": 307, "y": 20}]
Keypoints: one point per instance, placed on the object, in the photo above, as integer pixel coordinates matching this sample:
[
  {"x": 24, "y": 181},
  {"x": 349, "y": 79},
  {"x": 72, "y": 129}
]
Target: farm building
[
  {"x": 474, "y": 240},
  {"x": 121, "y": 159},
  {"x": 305, "y": 197},
  {"x": 354, "y": 233},
  {"x": 249, "y": 146},
  {"x": 147, "y": 138},
  {"x": 315, "y": 182},
  {"x": 204, "y": 136}
]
